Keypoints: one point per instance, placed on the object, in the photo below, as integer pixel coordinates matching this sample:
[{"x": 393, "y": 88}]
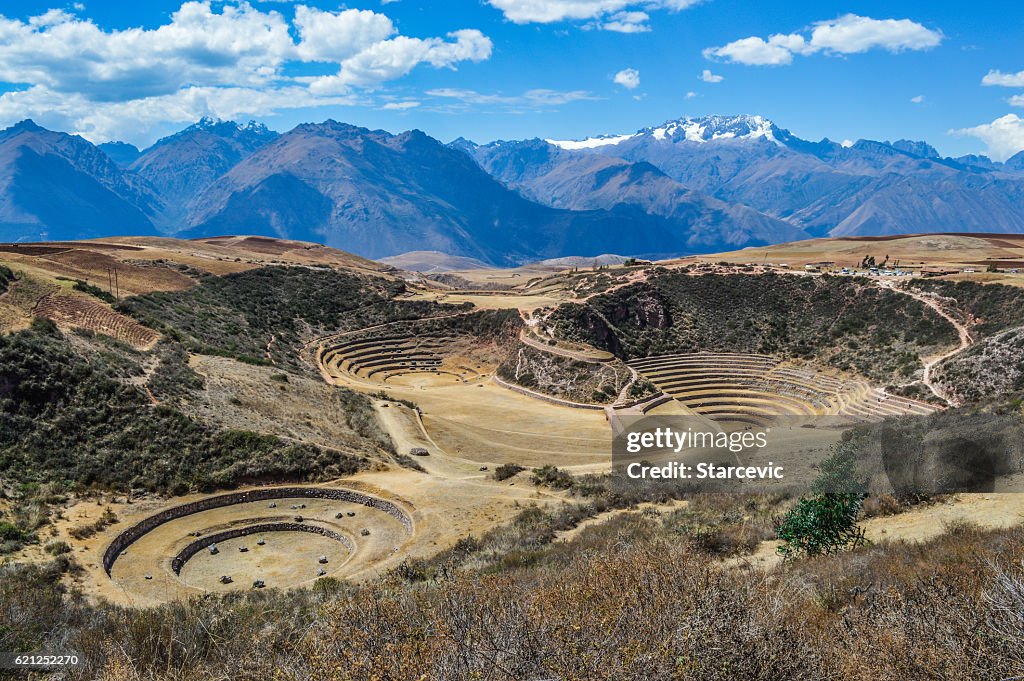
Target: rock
[
  {"x": 419, "y": 451},
  {"x": 261, "y": 542},
  {"x": 321, "y": 572},
  {"x": 298, "y": 518},
  {"x": 149, "y": 576},
  {"x": 243, "y": 549},
  {"x": 339, "y": 514},
  {"x": 224, "y": 579},
  {"x": 213, "y": 549},
  {"x": 323, "y": 560},
  {"x": 365, "y": 532},
  {"x": 272, "y": 505},
  {"x": 258, "y": 584},
  {"x": 350, "y": 514}
]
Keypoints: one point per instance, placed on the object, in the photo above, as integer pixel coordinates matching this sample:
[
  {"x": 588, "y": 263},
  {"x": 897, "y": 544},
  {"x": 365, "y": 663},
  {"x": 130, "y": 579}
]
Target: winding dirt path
[{"x": 962, "y": 331}]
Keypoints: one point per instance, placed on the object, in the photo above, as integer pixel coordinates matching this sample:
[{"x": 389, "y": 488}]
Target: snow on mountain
[
  {"x": 590, "y": 142},
  {"x": 699, "y": 130}
]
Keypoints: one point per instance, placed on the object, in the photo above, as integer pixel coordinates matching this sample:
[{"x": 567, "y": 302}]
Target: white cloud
[
  {"x": 1016, "y": 100},
  {"x": 777, "y": 50},
  {"x": 401, "y": 106},
  {"x": 1004, "y": 136},
  {"x": 691, "y": 94},
  {"x": 625, "y": 16},
  {"x": 208, "y": 58},
  {"x": 627, "y": 22},
  {"x": 627, "y": 78},
  {"x": 538, "y": 98},
  {"x": 333, "y": 37},
  {"x": 849, "y": 34},
  {"x": 394, "y": 58},
  {"x": 996, "y": 77},
  {"x": 919, "y": 99},
  {"x": 709, "y": 77}
]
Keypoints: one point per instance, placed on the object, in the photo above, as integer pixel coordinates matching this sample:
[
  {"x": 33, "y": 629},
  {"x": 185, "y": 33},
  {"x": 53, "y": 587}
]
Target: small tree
[{"x": 827, "y": 522}]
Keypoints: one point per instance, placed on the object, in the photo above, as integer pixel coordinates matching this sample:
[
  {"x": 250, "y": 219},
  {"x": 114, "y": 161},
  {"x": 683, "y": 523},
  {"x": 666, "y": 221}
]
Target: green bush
[{"x": 821, "y": 524}]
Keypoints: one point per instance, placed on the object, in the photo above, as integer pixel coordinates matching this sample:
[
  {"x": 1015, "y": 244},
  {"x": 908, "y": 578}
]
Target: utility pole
[{"x": 117, "y": 286}]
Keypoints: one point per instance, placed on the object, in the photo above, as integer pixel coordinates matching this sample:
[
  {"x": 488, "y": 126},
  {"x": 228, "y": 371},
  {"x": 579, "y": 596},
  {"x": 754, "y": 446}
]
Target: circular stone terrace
[{"x": 267, "y": 537}]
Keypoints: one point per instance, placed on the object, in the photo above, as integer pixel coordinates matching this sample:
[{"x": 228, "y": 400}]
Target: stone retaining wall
[
  {"x": 132, "y": 534},
  {"x": 547, "y": 398},
  {"x": 198, "y": 545}
]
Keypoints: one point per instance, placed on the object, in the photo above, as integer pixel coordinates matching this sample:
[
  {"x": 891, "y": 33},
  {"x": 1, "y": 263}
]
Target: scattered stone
[
  {"x": 419, "y": 451},
  {"x": 225, "y": 579},
  {"x": 272, "y": 505},
  {"x": 339, "y": 514},
  {"x": 261, "y": 542},
  {"x": 323, "y": 560},
  {"x": 483, "y": 468},
  {"x": 213, "y": 549},
  {"x": 149, "y": 576},
  {"x": 243, "y": 549},
  {"x": 294, "y": 506},
  {"x": 351, "y": 514},
  {"x": 365, "y": 532},
  {"x": 298, "y": 518},
  {"x": 302, "y": 506},
  {"x": 321, "y": 572},
  {"x": 258, "y": 584}
]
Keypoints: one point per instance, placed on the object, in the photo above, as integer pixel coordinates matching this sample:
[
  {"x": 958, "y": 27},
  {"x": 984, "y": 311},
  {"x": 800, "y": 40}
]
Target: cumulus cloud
[
  {"x": 222, "y": 59},
  {"x": 625, "y": 16},
  {"x": 708, "y": 77},
  {"x": 1017, "y": 100},
  {"x": 691, "y": 94},
  {"x": 1004, "y": 136},
  {"x": 627, "y": 78},
  {"x": 849, "y": 34},
  {"x": 996, "y": 77},
  {"x": 919, "y": 99}
]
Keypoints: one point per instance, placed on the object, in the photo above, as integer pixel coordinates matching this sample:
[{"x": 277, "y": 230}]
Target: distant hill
[
  {"x": 579, "y": 181},
  {"x": 429, "y": 262},
  {"x": 59, "y": 186},
  {"x": 379, "y": 194},
  {"x": 826, "y": 188},
  {"x": 691, "y": 185},
  {"x": 180, "y": 166},
  {"x": 584, "y": 261}
]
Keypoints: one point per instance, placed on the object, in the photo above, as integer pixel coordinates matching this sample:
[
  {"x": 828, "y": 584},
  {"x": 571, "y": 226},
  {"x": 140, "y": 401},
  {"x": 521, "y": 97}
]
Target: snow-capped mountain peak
[
  {"x": 590, "y": 142},
  {"x": 713, "y": 128},
  {"x": 699, "y": 130}
]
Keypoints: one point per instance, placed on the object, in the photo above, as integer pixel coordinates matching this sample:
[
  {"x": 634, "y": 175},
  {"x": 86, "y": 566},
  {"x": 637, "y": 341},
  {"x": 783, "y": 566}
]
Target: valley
[{"x": 297, "y": 417}]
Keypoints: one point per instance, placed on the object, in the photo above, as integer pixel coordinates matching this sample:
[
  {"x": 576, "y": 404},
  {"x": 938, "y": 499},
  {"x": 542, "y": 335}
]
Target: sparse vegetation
[
  {"x": 845, "y": 322},
  {"x": 262, "y": 316},
  {"x": 64, "y": 418}
]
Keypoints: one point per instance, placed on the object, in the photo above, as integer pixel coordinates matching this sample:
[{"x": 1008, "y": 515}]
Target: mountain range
[{"x": 689, "y": 185}]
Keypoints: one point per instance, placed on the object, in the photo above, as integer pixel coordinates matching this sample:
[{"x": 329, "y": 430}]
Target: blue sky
[{"x": 493, "y": 69}]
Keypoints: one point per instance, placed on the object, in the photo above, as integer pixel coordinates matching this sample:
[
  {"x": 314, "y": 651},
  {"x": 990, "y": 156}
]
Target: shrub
[
  {"x": 822, "y": 524},
  {"x": 58, "y": 547},
  {"x": 506, "y": 471},
  {"x": 552, "y": 476}
]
